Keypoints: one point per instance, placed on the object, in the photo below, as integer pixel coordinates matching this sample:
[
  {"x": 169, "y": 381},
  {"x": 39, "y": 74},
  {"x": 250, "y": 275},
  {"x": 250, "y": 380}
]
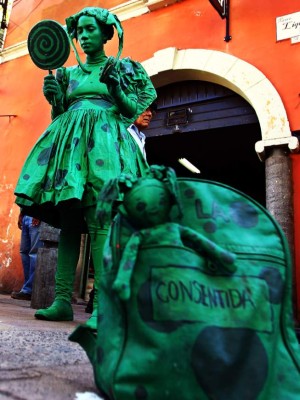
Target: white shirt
[{"x": 139, "y": 137}]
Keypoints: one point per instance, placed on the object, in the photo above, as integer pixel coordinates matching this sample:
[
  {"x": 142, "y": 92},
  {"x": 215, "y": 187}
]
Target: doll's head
[{"x": 148, "y": 203}]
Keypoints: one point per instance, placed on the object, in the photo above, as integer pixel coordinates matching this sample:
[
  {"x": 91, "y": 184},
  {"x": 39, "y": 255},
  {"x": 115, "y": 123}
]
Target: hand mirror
[{"x": 48, "y": 45}]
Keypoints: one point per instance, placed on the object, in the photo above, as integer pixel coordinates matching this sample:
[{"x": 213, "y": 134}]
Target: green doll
[
  {"x": 146, "y": 206},
  {"x": 86, "y": 145}
]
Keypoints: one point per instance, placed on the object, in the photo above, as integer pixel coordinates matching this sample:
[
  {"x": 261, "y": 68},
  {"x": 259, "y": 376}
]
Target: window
[{"x": 5, "y": 9}]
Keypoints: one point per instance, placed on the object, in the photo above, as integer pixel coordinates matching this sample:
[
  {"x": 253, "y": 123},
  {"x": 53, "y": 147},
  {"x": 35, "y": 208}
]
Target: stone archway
[{"x": 172, "y": 65}]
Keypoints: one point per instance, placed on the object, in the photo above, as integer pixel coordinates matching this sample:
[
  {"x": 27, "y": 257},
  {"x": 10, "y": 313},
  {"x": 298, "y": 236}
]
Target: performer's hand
[
  {"x": 52, "y": 90},
  {"x": 110, "y": 75},
  {"x": 113, "y": 78}
]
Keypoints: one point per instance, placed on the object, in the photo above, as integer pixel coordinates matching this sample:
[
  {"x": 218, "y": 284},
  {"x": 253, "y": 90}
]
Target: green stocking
[
  {"x": 68, "y": 255},
  {"x": 97, "y": 245},
  {"x": 98, "y": 238}
]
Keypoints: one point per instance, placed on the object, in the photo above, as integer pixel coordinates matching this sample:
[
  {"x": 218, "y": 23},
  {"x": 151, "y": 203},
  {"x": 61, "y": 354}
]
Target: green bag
[{"x": 195, "y": 297}]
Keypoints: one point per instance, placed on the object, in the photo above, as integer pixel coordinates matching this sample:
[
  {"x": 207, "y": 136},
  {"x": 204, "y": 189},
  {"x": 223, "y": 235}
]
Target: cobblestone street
[{"x": 38, "y": 362}]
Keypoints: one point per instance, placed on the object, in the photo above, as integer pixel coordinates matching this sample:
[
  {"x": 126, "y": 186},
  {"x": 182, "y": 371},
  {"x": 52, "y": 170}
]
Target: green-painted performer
[{"x": 86, "y": 145}]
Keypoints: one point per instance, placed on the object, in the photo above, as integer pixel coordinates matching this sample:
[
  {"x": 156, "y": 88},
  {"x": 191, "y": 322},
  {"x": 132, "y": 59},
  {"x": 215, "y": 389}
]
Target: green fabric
[
  {"x": 158, "y": 181},
  {"x": 168, "y": 233},
  {"x": 60, "y": 310},
  {"x": 85, "y": 146},
  {"x": 98, "y": 237},
  {"x": 126, "y": 104},
  {"x": 68, "y": 255},
  {"x": 188, "y": 328}
]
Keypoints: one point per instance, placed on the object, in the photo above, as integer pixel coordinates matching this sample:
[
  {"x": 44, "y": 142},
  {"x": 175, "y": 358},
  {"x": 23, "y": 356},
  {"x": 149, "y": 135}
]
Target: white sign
[
  {"x": 295, "y": 39},
  {"x": 288, "y": 26}
]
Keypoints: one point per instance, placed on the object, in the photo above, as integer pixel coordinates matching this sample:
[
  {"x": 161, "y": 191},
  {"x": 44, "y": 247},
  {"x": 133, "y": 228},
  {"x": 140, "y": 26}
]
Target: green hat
[{"x": 103, "y": 16}]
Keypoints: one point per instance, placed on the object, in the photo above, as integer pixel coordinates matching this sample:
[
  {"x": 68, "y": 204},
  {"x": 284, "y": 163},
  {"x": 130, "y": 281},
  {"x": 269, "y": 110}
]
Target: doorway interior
[{"x": 213, "y": 128}]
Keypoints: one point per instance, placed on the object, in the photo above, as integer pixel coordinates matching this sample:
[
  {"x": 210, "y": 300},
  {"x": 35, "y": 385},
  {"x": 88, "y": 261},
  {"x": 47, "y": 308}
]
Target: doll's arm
[
  {"x": 217, "y": 254},
  {"x": 123, "y": 280}
]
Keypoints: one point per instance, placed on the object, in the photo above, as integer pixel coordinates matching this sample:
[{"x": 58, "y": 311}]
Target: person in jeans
[{"x": 30, "y": 243}]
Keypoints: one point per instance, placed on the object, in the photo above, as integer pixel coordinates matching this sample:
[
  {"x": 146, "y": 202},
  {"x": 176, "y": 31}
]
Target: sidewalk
[{"x": 38, "y": 362}]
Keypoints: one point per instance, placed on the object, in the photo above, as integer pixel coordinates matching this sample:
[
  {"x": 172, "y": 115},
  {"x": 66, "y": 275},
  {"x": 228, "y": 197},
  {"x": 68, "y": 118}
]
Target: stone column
[
  {"x": 279, "y": 190},
  {"x": 279, "y": 199},
  {"x": 43, "y": 290}
]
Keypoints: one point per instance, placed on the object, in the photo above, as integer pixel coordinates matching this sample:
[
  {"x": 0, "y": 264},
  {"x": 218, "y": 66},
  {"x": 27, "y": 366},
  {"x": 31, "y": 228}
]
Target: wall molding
[
  {"x": 171, "y": 65},
  {"x": 124, "y": 11}
]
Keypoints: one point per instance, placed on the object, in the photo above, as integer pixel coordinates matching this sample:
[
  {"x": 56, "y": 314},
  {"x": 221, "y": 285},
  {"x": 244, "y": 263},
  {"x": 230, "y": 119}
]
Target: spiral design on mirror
[{"x": 48, "y": 45}]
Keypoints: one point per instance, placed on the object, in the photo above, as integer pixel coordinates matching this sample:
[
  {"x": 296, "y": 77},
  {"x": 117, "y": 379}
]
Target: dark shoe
[{"x": 21, "y": 296}]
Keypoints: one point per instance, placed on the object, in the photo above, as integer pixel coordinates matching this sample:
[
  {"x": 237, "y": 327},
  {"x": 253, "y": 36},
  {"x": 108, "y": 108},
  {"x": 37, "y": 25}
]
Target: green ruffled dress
[{"x": 85, "y": 146}]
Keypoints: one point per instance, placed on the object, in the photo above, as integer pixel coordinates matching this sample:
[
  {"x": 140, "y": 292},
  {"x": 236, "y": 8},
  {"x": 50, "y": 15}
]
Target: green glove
[
  {"x": 52, "y": 91},
  {"x": 126, "y": 105},
  {"x": 53, "y": 94}
]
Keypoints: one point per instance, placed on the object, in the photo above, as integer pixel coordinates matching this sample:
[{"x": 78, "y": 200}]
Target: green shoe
[
  {"x": 61, "y": 310},
  {"x": 92, "y": 321}
]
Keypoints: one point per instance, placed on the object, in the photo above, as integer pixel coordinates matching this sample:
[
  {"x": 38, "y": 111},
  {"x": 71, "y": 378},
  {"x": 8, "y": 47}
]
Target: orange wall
[
  {"x": 186, "y": 24},
  {"x": 18, "y": 134},
  {"x": 193, "y": 24}
]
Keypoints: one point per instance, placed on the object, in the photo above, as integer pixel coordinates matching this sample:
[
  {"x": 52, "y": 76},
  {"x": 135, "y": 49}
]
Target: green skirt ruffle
[{"x": 80, "y": 151}]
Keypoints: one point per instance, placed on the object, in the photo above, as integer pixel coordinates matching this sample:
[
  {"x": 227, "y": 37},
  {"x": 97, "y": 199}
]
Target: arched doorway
[{"x": 213, "y": 128}]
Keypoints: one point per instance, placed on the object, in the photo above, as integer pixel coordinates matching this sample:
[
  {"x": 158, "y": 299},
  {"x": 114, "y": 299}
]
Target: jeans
[{"x": 30, "y": 243}]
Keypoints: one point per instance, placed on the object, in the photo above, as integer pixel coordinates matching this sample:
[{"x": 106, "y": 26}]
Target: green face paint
[{"x": 90, "y": 36}]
